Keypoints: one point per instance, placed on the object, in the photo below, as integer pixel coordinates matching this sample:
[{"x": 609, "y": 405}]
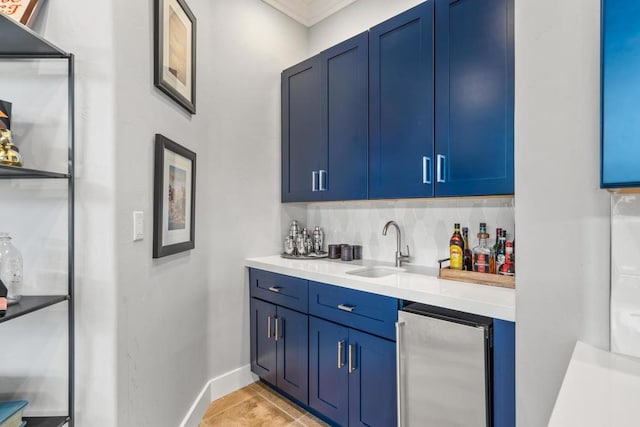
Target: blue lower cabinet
[
  {"x": 504, "y": 373},
  {"x": 328, "y": 376},
  {"x": 372, "y": 382},
  {"x": 352, "y": 376},
  {"x": 279, "y": 349},
  {"x": 293, "y": 353}
]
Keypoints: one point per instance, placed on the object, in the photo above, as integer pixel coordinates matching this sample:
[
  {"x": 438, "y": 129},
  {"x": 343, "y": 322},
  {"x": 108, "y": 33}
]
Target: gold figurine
[{"x": 9, "y": 153}]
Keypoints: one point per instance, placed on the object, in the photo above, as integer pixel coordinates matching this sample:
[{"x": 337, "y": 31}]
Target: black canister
[
  {"x": 346, "y": 253},
  {"x": 334, "y": 251},
  {"x": 357, "y": 251}
]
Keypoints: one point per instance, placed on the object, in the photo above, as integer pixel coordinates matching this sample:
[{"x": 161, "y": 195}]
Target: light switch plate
[{"x": 138, "y": 225}]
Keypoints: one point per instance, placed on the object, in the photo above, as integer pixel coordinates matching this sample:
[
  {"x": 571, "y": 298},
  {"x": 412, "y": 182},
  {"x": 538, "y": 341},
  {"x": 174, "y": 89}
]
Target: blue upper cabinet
[
  {"x": 474, "y": 97},
  {"x": 345, "y": 88},
  {"x": 620, "y": 93},
  {"x": 325, "y": 125},
  {"x": 401, "y": 111},
  {"x": 303, "y": 146}
]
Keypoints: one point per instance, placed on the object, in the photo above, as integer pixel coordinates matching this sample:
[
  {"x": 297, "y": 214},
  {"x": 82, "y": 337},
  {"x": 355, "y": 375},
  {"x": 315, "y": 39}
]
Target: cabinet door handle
[
  {"x": 351, "y": 357},
  {"x": 275, "y": 289},
  {"x": 340, "y": 353},
  {"x": 268, "y": 326},
  {"x": 399, "y": 372},
  {"x": 426, "y": 170},
  {"x": 314, "y": 180},
  {"x": 345, "y": 307},
  {"x": 323, "y": 181},
  {"x": 440, "y": 175},
  {"x": 277, "y": 333}
]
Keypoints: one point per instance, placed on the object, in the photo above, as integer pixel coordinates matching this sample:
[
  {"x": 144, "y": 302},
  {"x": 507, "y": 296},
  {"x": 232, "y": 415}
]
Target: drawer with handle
[
  {"x": 367, "y": 312},
  {"x": 287, "y": 291}
]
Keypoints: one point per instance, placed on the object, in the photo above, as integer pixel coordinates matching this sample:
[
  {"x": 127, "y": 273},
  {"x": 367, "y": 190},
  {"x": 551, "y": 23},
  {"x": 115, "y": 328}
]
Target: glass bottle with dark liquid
[{"x": 456, "y": 249}]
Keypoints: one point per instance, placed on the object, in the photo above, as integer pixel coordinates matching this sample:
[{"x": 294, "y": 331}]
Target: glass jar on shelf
[{"x": 10, "y": 268}]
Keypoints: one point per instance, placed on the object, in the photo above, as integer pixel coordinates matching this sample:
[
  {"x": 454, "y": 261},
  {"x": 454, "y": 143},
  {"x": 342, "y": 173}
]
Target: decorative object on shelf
[
  {"x": 5, "y": 114},
  {"x": 174, "y": 203},
  {"x": 11, "y": 412},
  {"x": 175, "y": 52},
  {"x": 3, "y": 298},
  {"x": 9, "y": 153},
  {"x": 302, "y": 244},
  {"x": 10, "y": 268},
  {"x": 22, "y": 11}
]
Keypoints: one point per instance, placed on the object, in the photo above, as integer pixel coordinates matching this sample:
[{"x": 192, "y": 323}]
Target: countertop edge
[{"x": 496, "y": 311}]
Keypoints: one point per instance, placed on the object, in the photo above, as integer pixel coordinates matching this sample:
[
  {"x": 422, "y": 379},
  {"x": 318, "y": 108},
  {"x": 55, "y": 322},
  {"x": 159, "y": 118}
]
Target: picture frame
[
  {"x": 22, "y": 11},
  {"x": 175, "y": 52},
  {"x": 174, "y": 198}
]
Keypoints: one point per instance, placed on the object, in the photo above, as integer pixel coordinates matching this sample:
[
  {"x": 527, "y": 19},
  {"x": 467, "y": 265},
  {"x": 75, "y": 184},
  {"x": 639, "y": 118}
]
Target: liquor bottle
[
  {"x": 3, "y": 299},
  {"x": 500, "y": 251},
  {"x": 482, "y": 253},
  {"x": 456, "y": 249},
  {"x": 509, "y": 266},
  {"x": 468, "y": 256},
  {"x": 494, "y": 252}
]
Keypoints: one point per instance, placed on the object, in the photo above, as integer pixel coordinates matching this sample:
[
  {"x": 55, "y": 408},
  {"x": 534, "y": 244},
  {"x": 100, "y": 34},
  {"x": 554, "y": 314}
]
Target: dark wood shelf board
[
  {"x": 29, "y": 304},
  {"x": 13, "y": 172},
  {"x": 24, "y": 43},
  {"x": 45, "y": 421}
]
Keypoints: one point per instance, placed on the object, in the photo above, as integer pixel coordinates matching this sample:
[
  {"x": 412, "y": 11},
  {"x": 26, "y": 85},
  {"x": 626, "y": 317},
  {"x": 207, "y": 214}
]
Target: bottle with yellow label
[{"x": 456, "y": 249}]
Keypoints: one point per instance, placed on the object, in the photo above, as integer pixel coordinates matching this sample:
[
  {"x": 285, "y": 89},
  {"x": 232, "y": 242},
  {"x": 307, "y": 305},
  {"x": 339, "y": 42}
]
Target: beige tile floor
[{"x": 257, "y": 405}]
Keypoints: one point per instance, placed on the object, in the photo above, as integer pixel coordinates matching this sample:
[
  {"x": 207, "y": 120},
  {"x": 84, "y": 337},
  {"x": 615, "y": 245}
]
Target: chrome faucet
[{"x": 399, "y": 255}]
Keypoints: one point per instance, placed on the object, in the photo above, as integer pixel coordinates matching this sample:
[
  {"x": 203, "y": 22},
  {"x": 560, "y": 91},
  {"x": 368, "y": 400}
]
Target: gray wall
[{"x": 562, "y": 217}]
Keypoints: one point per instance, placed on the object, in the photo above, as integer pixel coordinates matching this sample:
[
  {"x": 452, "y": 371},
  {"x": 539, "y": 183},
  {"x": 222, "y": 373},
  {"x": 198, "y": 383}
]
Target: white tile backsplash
[
  {"x": 426, "y": 225},
  {"x": 625, "y": 274}
]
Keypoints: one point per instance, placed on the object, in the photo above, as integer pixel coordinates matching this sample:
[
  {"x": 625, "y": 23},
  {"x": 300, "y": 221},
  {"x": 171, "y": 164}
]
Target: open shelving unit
[{"x": 20, "y": 42}]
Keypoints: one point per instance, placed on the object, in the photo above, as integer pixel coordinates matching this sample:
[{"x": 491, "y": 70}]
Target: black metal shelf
[
  {"x": 45, "y": 421},
  {"x": 14, "y": 172},
  {"x": 19, "y": 41},
  {"x": 29, "y": 304}
]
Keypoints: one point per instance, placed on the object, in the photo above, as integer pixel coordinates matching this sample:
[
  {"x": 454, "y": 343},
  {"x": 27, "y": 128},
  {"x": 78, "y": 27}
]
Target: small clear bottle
[
  {"x": 482, "y": 253},
  {"x": 10, "y": 268}
]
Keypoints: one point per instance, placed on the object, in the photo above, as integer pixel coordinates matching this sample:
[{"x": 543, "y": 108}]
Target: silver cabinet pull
[
  {"x": 351, "y": 357},
  {"x": 345, "y": 307},
  {"x": 440, "y": 168},
  {"x": 275, "y": 289},
  {"x": 314, "y": 180},
  {"x": 323, "y": 181},
  {"x": 340, "y": 352},
  {"x": 277, "y": 333},
  {"x": 268, "y": 326},
  {"x": 426, "y": 170},
  {"x": 399, "y": 326}
]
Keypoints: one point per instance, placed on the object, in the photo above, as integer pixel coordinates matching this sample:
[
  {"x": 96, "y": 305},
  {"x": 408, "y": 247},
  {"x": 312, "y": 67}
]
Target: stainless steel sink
[{"x": 377, "y": 271}]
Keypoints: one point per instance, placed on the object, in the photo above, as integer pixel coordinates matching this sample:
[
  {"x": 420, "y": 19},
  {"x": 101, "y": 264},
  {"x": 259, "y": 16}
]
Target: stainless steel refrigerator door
[{"x": 442, "y": 379}]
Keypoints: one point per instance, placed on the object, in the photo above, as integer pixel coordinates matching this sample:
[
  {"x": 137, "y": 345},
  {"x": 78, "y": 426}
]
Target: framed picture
[
  {"x": 174, "y": 198},
  {"x": 23, "y": 11},
  {"x": 175, "y": 52}
]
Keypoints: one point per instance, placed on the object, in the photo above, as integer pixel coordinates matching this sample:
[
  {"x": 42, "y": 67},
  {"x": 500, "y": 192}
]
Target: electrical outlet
[{"x": 138, "y": 225}]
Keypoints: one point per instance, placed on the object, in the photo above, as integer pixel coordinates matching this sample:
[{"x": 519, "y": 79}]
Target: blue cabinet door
[
  {"x": 345, "y": 69},
  {"x": 303, "y": 146},
  {"x": 293, "y": 353},
  {"x": 504, "y": 373},
  {"x": 474, "y": 97},
  {"x": 263, "y": 344},
  {"x": 328, "y": 371},
  {"x": 372, "y": 382},
  {"x": 401, "y": 121},
  {"x": 620, "y": 93}
]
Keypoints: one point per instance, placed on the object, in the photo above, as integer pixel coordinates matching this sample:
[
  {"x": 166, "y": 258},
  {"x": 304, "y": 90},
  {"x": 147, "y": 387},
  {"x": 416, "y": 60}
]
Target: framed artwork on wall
[
  {"x": 175, "y": 52},
  {"x": 22, "y": 11},
  {"x": 174, "y": 198}
]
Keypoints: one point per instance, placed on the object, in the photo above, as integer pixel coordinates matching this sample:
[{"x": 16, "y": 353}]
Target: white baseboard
[{"x": 214, "y": 389}]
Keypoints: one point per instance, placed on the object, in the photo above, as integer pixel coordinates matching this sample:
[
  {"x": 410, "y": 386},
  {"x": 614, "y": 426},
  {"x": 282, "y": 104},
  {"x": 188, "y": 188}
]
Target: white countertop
[
  {"x": 599, "y": 389},
  {"x": 416, "y": 284}
]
